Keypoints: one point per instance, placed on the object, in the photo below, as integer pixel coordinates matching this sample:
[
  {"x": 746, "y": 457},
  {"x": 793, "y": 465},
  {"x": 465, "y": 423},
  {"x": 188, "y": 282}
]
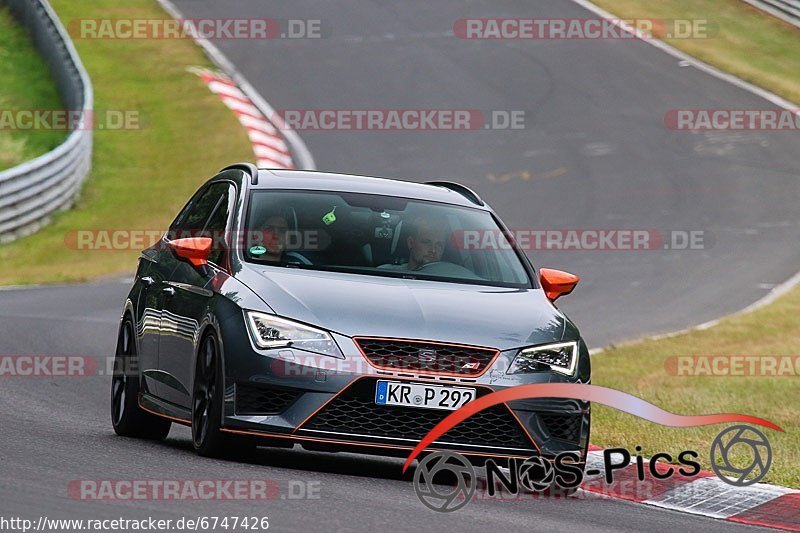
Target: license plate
[{"x": 421, "y": 395}]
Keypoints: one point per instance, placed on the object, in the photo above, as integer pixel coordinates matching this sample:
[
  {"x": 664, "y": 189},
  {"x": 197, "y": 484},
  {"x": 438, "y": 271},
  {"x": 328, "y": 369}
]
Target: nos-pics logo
[{"x": 447, "y": 481}]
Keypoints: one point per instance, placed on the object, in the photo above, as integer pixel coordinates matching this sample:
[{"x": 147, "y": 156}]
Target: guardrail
[
  {"x": 31, "y": 192},
  {"x": 788, "y": 10}
]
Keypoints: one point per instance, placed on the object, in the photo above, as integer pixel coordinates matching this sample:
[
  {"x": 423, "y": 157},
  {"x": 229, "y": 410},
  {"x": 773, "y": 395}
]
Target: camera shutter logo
[
  {"x": 737, "y": 437},
  {"x": 445, "y": 498},
  {"x": 536, "y": 474}
]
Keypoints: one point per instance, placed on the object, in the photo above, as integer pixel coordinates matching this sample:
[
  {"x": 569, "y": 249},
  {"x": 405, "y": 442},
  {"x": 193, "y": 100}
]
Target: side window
[
  {"x": 207, "y": 216},
  {"x": 179, "y": 219},
  {"x": 217, "y": 223},
  {"x": 195, "y": 215}
]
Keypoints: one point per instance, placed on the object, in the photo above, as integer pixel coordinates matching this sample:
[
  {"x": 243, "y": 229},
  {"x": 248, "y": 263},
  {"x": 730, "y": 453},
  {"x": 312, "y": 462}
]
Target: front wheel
[
  {"x": 128, "y": 419},
  {"x": 207, "y": 438}
]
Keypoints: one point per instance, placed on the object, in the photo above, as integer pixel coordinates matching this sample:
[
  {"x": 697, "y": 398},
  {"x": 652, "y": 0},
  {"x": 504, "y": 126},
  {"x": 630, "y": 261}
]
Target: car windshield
[{"x": 380, "y": 236}]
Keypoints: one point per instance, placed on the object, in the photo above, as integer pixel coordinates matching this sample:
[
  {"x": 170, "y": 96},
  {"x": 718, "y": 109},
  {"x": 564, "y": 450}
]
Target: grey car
[{"x": 344, "y": 313}]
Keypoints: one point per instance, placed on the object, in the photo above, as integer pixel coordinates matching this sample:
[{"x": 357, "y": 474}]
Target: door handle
[
  {"x": 169, "y": 291},
  {"x": 147, "y": 281}
]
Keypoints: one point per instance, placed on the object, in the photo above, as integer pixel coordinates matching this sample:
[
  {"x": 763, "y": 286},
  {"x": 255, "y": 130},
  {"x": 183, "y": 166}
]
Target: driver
[
  {"x": 275, "y": 234},
  {"x": 425, "y": 243},
  {"x": 275, "y": 230}
]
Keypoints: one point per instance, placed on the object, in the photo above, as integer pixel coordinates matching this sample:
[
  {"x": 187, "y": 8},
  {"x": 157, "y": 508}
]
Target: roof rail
[
  {"x": 463, "y": 190},
  {"x": 248, "y": 168}
]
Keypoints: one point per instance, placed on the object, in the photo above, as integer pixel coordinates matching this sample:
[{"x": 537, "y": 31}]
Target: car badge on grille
[
  {"x": 427, "y": 355},
  {"x": 471, "y": 366}
]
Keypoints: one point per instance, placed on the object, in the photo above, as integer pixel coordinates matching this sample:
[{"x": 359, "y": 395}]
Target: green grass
[
  {"x": 26, "y": 86},
  {"x": 140, "y": 178},
  {"x": 639, "y": 369},
  {"x": 755, "y": 46}
]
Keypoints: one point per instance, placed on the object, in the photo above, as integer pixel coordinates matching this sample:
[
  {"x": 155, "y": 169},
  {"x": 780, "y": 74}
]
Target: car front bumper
[{"x": 290, "y": 396}]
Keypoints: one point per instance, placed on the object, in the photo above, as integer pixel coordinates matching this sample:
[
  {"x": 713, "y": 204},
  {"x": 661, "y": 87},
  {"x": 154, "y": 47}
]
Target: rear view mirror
[
  {"x": 557, "y": 283},
  {"x": 194, "y": 249}
]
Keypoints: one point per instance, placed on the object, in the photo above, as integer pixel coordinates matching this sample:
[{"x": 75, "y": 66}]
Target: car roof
[{"x": 331, "y": 181}]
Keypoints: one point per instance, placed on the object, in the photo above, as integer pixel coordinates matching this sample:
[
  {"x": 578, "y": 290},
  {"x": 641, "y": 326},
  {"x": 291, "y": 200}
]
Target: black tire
[
  {"x": 207, "y": 391},
  {"x": 128, "y": 419}
]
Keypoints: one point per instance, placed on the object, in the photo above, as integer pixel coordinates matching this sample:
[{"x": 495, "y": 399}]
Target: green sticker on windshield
[
  {"x": 258, "y": 250},
  {"x": 330, "y": 217}
]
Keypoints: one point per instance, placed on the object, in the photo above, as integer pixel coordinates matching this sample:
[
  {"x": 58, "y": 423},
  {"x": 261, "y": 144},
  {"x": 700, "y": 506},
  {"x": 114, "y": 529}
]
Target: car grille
[
  {"x": 259, "y": 400},
  {"x": 566, "y": 427},
  {"x": 355, "y": 412},
  {"x": 426, "y": 357}
]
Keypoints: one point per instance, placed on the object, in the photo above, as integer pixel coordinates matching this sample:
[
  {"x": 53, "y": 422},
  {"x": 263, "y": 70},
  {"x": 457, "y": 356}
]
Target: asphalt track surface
[{"x": 599, "y": 156}]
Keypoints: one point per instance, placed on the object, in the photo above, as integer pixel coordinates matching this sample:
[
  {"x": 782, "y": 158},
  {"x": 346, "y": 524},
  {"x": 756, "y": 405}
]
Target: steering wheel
[
  {"x": 448, "y": 269},
  {"x": 426, "y": 265},
  {"x": 298, "y": 258}
]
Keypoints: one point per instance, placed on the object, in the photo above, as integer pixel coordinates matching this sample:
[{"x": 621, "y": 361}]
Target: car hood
[{"x": 363, "y": 305}]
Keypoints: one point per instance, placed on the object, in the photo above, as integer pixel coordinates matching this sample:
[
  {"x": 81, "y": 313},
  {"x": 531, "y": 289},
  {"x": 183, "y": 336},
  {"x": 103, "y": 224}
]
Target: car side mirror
[
  {"x": 193, "y": 249},
  {"x": 557, "y": 283}
]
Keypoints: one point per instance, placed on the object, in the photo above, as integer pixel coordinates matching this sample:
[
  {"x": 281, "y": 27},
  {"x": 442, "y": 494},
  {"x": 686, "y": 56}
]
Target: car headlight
[
  {"x": 561, "y": 358},
  {"x": 270, "y": 331}
]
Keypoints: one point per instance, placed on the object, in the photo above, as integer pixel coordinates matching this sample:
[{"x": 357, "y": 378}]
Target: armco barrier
[
  {"x": 31, "y": 192},
  {"x": 788, "y": 10}
]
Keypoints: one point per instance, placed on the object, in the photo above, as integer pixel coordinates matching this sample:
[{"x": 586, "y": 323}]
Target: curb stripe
[
  {"x": 273, "y": 158},
  {"x": 254, "y": 124},
  {"x": 760, "y": 504},
  {"x": 241, "y": 107},
  {"x": 227, "y": 89},
  {"x": 627, "y": 486},
  {"x": 273, "y": 142},
  {"x": 264, "y": 150},
  {"x": 782, "y": 512},
  {"x": 715, "y": 498},
  {"x": 268, "y": 145},
  {"x": 299, "y": 149}
]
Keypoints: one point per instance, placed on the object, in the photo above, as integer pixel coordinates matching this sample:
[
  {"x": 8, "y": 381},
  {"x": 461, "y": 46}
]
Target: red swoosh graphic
[{"x": 603, "y": 395}]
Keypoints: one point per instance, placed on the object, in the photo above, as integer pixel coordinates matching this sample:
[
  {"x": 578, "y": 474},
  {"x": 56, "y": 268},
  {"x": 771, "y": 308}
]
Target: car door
[
  {"x": 187, "y": 294},
  {"x": 151, "y": 276},
  {"x": 155, "y": 266}
]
